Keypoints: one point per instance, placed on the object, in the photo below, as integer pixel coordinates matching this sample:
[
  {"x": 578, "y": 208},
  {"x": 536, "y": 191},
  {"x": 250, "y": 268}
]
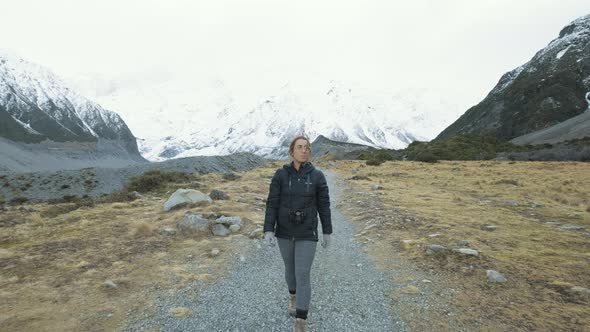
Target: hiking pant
[{"x": 298, "y": 258}]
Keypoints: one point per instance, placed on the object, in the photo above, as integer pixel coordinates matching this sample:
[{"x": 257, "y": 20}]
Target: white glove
[
  {"x": 269, "y": 238},
  {"x": 326, "y": 241}
]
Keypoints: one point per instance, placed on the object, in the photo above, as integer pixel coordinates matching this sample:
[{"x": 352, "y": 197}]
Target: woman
[{"x": 298, "y": 192}]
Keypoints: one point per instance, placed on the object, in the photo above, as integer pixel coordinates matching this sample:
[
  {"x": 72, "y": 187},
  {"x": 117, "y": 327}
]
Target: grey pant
[{"x": 298, "y": 257}]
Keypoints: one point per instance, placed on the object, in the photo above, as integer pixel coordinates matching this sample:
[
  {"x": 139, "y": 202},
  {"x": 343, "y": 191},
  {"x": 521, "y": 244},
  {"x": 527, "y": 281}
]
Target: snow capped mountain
[
  {"x": 180, "y": 117},
  {"x": 36, "y": 104}
]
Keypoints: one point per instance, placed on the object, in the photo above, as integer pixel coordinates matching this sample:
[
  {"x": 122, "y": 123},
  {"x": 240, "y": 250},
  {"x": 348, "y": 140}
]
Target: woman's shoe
[
  {"x": 291, "y": 305},
  {"x": 300, "y": 325}
]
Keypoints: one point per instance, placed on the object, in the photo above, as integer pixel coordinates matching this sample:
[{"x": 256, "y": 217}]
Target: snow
[
  {"x": 42, "y": 87},
  {"x": 209, "y": 118},
  {"x": 562, "y": 52},
  {"x": 26, "y": 126}
]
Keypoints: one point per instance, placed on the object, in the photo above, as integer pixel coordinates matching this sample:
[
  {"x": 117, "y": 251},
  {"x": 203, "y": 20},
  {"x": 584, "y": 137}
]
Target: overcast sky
[{"x": 464, "y": 44}]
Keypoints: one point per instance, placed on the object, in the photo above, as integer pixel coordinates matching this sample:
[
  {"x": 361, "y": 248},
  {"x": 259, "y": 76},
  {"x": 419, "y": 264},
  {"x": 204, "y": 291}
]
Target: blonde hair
[{"x": 292, "y": 146}]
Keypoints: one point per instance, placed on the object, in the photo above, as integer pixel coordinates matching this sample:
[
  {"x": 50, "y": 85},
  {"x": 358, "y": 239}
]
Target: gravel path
[{"x": 348, "y": 294}]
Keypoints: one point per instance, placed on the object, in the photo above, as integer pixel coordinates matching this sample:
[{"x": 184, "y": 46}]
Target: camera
[{"x": 296, "y": 216}]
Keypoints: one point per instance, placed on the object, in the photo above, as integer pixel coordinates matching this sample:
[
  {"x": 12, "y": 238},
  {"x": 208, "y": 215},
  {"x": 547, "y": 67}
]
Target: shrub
[
  {"x": 153, "y": 180},
  {"x": 18, "y": 200},
  {"x": 374, "y": 162}
]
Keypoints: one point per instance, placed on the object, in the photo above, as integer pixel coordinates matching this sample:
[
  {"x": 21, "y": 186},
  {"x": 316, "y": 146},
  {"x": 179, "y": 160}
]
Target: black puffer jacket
[{"x": 304, "y": 190}]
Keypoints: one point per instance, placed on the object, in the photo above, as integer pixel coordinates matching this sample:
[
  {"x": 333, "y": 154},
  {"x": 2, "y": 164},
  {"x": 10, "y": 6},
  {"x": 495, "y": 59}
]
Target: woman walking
[{"x": 298, "y": 192}]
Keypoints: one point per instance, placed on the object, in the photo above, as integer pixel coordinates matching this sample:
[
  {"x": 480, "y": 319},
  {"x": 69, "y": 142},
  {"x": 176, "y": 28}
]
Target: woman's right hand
[{"x": 269, "y": 238}]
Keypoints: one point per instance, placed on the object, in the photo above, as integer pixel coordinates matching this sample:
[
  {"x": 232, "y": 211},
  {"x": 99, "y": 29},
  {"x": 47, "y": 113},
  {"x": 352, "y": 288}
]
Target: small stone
[
  {"x": 110, "y": 284},
  {"x": 434, "y": 235},
  {"x": 134, "y": 195},
  {"x": 215, "y": 252},
  {"x": 571, "y": 227},
  {"x": 488, "y": 227},
  {"x": 426, "y": 281},
  {"x": 495, "y": 276},
  {"x": 435, "y": 249},
  {"x": 469, "y": 252},
  {"x": 234, "y": 228},
  {"x": 376, "y": 187},
  {"x": 168, "y": 231},
  {"x": 220, "y": 230}
]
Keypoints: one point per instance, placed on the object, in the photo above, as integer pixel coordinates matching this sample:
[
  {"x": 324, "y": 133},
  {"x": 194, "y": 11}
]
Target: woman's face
[{"x": 301, "y": 151}]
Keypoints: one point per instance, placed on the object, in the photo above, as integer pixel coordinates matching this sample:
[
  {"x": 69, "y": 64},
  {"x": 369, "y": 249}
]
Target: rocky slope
[
  {"x": 37, "y": 106},
  {"x": 552, "y": 87}
]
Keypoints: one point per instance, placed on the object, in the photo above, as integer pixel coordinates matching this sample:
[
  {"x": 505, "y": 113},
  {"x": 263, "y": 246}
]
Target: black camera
[{"x": 296, "y": 216}]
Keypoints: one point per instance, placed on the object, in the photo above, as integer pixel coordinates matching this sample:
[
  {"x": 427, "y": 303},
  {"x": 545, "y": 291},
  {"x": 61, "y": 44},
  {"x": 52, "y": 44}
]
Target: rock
[
  {"x": 134, "y": 195},
  {"x": 193, "y": 224},
  {"x": 376, "y": 187},
  {"x": 234, "y": 228},
  {"x": 435, "y": 249},
  {"x": 196, "y": 184},
  {"x": 228, "y": 221},
  {"x": 463, "y": 243},
  {"x": 572, "y": 227},
  {"x": 218, "y": 195},
  {"x": 511, "y": 203},
  {"x": 220, "y": 230},
  {"x": 469, "y": 252},
  {"x": 185, "y": 196},
  {"x": 168, "y": 231},
  {"x": 434, "y": 235},
  {"x": 580, "y": 292},
  {"x": 215, "y": 252},
  {"x": 495, "y": 276},
  {"x": 552, "y": 222},
  {"x": 110, "y": 284},
  {"x": 242, "y": 200},
  {"x": 575, "y": 215},
  {"x": 256, "y": 234},
  {"x": 488, "y": 227},
  {"x": 535, "y": 204}
]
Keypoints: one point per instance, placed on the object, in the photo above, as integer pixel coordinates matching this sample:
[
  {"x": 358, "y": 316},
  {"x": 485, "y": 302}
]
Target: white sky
[{"x": 466, "y": 44}]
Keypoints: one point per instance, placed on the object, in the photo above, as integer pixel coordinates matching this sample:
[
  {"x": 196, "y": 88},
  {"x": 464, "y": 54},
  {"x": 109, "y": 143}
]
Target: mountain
[
  {"x": 181, "y": 118},
  {"x": 323, "y": 146},
  {"x": 552, "y": 87},
  {"x": 38, "y": 110}
]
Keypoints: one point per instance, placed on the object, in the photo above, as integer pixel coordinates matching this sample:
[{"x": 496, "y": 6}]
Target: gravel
[{"x": 348, "y": 293}]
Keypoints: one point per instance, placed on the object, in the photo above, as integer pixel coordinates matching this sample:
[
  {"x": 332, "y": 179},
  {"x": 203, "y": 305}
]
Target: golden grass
[
  {"x": 54, "y": 266},
  {"x": 455, "y": 199}
]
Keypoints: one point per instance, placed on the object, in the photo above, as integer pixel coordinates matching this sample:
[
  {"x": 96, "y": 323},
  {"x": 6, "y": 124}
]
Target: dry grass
[
  {"x": 540, "y": 261},
  {"x": 54, "y": 266}
]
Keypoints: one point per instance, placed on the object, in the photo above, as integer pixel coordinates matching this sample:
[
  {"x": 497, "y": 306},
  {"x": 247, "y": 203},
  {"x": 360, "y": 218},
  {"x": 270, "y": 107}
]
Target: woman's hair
[{"x": 292, "y": 145}]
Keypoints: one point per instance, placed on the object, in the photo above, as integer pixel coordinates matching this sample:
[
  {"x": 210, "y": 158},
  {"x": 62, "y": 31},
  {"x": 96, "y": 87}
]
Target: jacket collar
[{"x": 303, "y": 169}]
